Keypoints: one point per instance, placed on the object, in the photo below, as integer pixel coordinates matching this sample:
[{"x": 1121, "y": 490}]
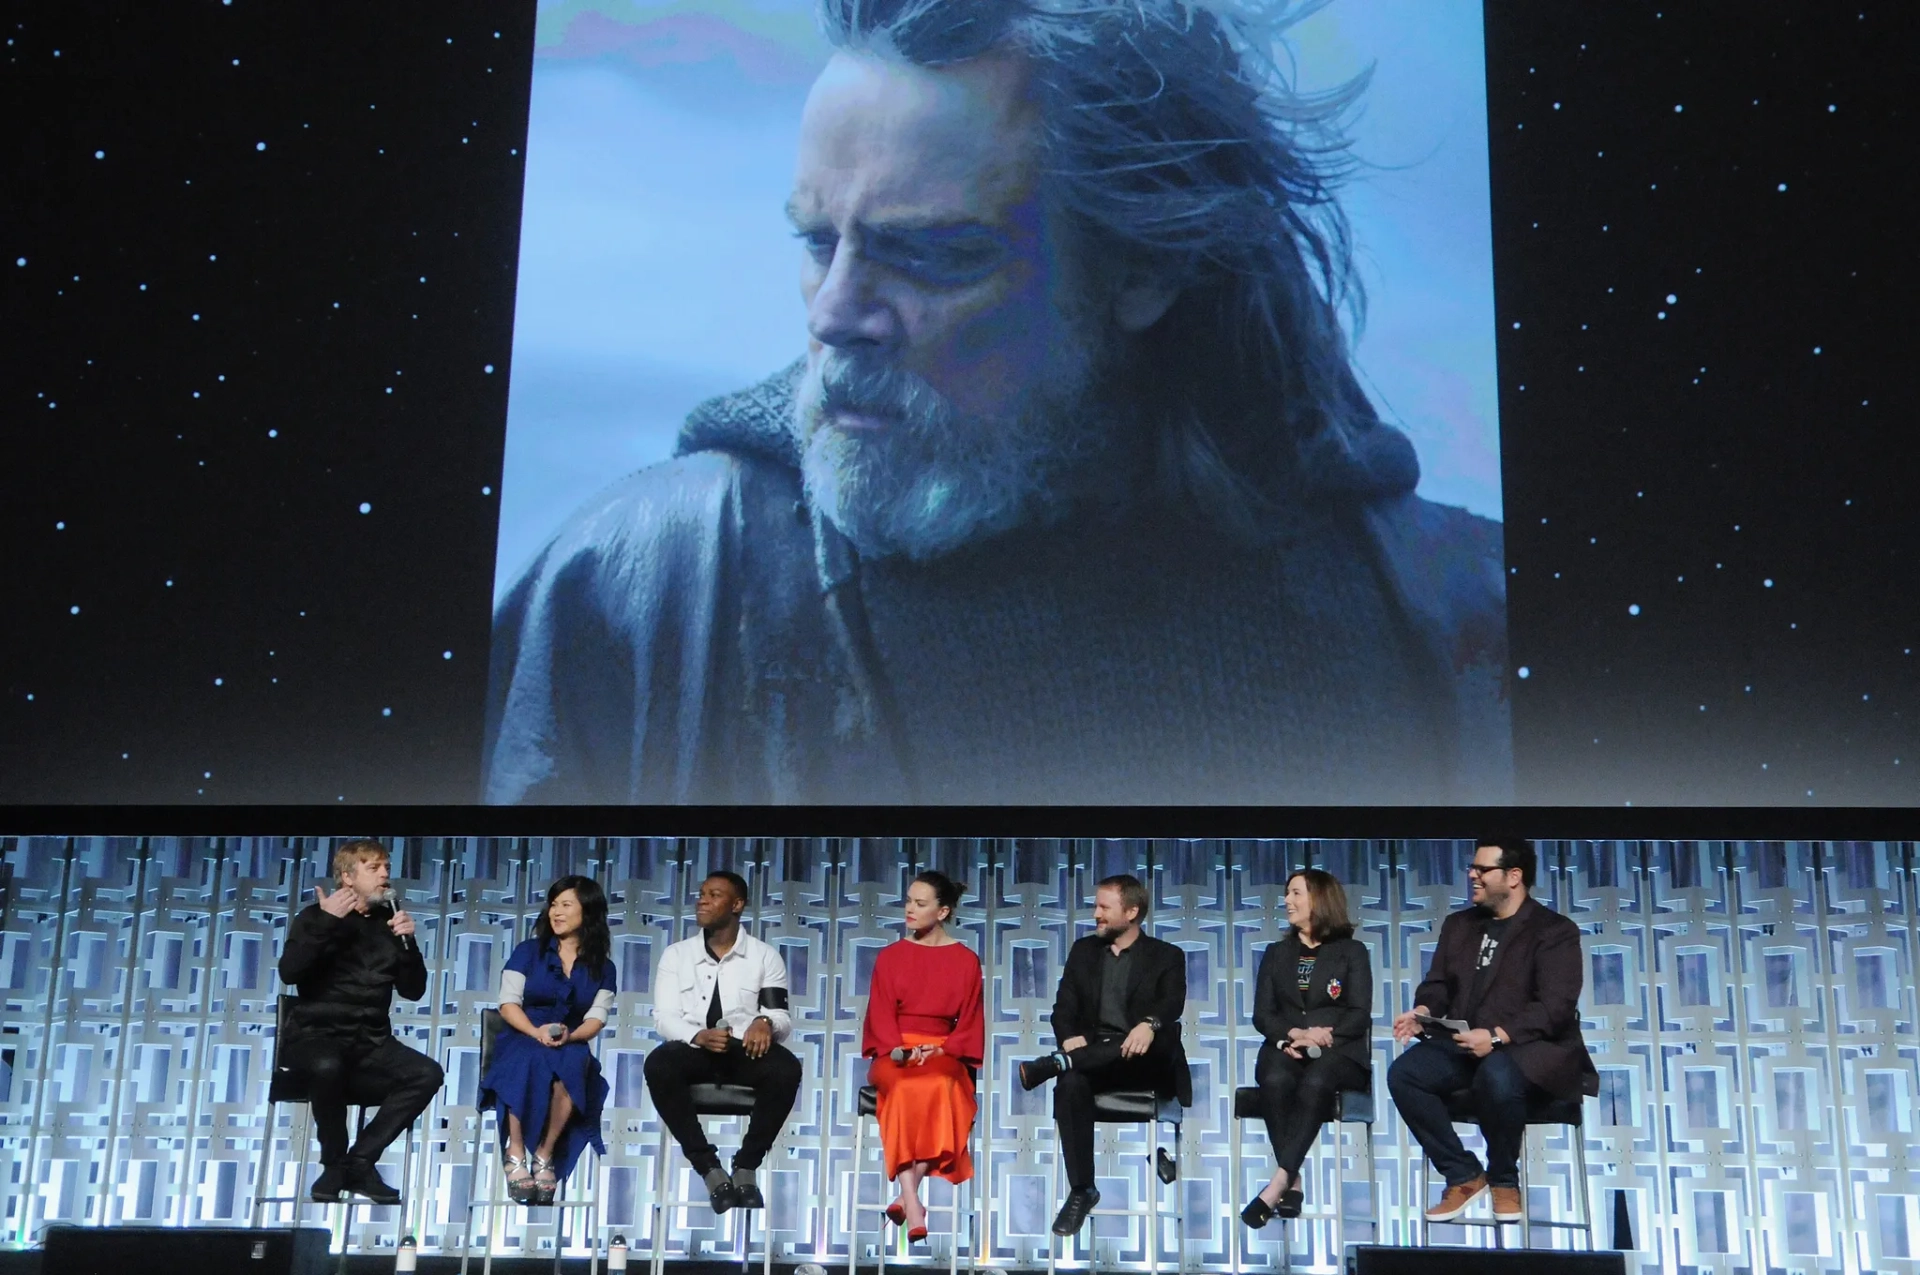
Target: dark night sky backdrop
[{"x": 353, "y": 280}]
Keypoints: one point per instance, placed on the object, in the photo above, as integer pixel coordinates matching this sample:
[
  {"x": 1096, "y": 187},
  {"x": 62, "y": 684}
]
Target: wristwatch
[
  {"x": 1494, "y": 1034},
  {"x": 1152, "y": 1022}
]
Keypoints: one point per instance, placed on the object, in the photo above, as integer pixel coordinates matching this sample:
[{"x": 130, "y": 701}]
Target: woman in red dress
[{"x": 926, "y": 1037}]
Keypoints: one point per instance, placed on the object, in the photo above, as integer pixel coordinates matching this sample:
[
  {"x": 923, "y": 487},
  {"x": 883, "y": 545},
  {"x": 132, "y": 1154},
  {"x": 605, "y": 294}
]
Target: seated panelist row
[{"x": 1507, "y": 967}]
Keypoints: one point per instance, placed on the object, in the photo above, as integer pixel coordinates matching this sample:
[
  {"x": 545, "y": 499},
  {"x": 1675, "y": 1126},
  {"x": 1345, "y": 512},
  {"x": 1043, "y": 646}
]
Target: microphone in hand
[{"x": 385, "y": 899}]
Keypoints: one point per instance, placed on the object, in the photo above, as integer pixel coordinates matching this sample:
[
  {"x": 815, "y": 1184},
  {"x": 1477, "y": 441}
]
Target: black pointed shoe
[
  {"x": 362, "y": 1178},
  {"x": 1073, "y": 1214},
  {"x": 746, "y": 1191},
  {"x": 1038, "y": 1071},
  {"x": 1290, "y": 1201},
  {"x": 722, "y": 1195},
  {"x": 1257, "y": 1213},
  {"x": 326, "y": 1187}
]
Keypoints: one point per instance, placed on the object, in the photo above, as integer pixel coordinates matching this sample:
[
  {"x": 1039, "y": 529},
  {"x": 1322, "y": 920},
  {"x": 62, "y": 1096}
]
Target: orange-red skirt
[{"x": 925, "y": 1112}]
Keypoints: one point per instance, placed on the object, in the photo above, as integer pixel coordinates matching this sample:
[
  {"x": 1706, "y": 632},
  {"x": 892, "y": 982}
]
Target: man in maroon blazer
[{"x": 1512, "y": 969}]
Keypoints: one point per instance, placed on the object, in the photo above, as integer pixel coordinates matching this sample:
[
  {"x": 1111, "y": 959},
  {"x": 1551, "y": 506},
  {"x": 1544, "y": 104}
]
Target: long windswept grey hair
[{"x": 1175, "y": 144}]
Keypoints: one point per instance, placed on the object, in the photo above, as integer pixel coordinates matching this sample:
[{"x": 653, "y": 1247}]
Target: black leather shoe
[
  {"x": 1290, "y": 1202},
  {"x": 1257, "y": 1213},
  {"x": 1038, "y": 1071},
  {"x": 326, "y": 1187},
  {"x": 747, "y": 1192},
  {"x": 1073, "y": 1214},
  {"x": 721, "y": 1192},
  {"x": 361, "y": 1178}
]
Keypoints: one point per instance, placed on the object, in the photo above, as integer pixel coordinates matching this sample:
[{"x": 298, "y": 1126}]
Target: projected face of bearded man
[{"x": 954, "y": 348}]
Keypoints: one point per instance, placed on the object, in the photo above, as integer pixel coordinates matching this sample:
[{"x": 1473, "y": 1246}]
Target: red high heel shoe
[
  {"x": 916, "y": 1235},
  {"x": 897, "y": 1213}
]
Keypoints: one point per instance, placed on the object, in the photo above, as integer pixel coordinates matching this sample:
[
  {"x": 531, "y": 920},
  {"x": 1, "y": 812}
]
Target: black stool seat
[
  {"x": 1355, "y": 1106},
  {"x": 1539, "y": 1110},
  {"x": 869, "y": 1100},
  {"x": 721, "y": 1100},
  {"x": 1135, "y": 1105}
]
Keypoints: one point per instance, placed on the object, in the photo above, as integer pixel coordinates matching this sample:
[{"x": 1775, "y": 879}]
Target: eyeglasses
[{"x": 1481, "y": 870}]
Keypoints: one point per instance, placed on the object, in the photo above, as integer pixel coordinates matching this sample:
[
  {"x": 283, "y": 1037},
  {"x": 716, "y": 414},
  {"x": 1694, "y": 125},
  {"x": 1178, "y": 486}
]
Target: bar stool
[
  {"x": 1138, "y": 1106},
  {"x": 490, "y": 1026},
  {"x": 708, "y": 1100},
  {"x": 1561, "y": 1111},
  {"x": 286, "y": 1087},
  {"x": 869, "y": 1105},
  {"x": 1352, "y": 1106}
]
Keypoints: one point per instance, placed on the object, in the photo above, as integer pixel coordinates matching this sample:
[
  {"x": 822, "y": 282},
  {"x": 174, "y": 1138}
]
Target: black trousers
[
  {"x": 337, "y": 1072},
  {"x": 675, "y": 1067},
  {"x": 1297, "y": 1096},
  {"x": 1099, "y": 1068}
]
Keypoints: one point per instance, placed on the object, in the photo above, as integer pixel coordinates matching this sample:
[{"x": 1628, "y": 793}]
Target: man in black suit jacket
[
  {"x": 1513, "y": 970},
  {"x": 1117, "y": 1019}
]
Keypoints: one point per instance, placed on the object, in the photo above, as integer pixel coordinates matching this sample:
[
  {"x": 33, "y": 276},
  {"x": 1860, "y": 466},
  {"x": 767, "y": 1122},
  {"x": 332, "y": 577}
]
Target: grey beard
[{"x": 935, "y": 481}]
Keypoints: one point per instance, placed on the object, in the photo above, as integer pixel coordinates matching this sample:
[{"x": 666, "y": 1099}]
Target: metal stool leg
[
  {"x": 1420, "y": 1205},
  {"x": 1373, "y": 1183},
  {"x": 662, "y": 1180},
  {"x": 1586, "y": 1189},
  {"x": 1179, "y": 1199},
  {"x": 853, "y": 1192},
  {"x": 473, "y": 1182},
  {"x": 1237, "y": 1246},
  {"x": 1153, "y": 1203},
  {"x": 1526, "y": 1200}
]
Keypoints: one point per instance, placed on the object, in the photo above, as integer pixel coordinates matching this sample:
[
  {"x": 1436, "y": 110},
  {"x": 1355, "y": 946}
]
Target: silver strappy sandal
[
  {"x": 545, "y": 1180},
  {"x": 519, "y": 1176}
]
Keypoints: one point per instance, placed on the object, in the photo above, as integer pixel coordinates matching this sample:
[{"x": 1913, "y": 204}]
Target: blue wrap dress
[{"x": 520, "y": 1077}]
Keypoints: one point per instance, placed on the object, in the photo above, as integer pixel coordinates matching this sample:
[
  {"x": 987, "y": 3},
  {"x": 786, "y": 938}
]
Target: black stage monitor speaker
[
  {"x": 1373, "y": 1259},
  {"x": 185, "y": 1250}
]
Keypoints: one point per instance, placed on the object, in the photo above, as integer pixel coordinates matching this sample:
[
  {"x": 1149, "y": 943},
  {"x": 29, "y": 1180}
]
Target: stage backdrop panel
[{"x": 1751, "y": 1008}]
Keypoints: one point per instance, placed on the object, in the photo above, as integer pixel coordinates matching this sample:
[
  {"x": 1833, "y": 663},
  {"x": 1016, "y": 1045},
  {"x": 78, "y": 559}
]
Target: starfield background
[{"x": 256, "y": 275}]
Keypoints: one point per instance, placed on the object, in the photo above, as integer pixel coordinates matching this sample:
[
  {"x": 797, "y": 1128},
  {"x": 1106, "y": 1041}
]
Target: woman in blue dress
[{"x": 554, "y": 998}]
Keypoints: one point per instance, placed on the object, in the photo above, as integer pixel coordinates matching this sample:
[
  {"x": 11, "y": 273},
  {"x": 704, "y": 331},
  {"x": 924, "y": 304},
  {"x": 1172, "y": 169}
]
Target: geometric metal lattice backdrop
[{"x": 1750, "y": 1005}]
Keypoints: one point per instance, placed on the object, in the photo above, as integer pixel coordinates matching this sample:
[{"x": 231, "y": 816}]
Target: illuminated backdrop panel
[{"x": 1751, "y": 1007}]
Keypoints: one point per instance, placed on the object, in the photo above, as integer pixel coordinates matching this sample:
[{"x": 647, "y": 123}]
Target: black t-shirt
[
  {"x": 1490, "y": 940},
  {"x": 714, "y": 1010},
  {"x": 1114, "y": 979}
]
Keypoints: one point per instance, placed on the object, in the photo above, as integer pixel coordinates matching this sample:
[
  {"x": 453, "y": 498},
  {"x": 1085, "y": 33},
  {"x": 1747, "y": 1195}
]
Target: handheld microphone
[
  {"x": 385, "y": 899},
  {"x": 1313, "y": 1051}
]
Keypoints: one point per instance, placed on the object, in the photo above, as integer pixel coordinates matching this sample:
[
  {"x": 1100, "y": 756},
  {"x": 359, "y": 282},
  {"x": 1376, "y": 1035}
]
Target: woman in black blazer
[{"x": 1314, "y": 1005}]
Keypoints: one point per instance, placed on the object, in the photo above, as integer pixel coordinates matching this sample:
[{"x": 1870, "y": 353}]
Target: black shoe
[
  {"x": 746, "y": 1191},
  {"x": 1166, "y": 1167},
  {"x": 362, "y": 1178},
  {"x": 1073, "y": 1214},
  {"x": 721, "y": 1193},
  {"x": 326, "y": 1187},
  {"x": 1290, "y": 1201},
  {"x": 1038, "y": 1071},
  {"x": 1257, "y": 1213}
]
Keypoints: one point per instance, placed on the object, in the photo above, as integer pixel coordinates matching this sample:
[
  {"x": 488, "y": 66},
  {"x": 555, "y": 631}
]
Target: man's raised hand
[{"x": 339, "y": 903}]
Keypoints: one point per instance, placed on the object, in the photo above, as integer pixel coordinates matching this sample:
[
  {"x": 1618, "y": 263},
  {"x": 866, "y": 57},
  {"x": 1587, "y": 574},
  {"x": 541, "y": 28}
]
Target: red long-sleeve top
[{"x": 932, "y": 991}]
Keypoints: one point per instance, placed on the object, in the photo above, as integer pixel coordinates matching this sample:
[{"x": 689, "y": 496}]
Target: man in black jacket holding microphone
[
  {"x": 1117, "y": 1018},
  {"x": 348, "y": 952}
]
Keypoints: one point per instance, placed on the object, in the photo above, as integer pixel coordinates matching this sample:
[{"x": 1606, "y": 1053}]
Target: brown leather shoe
[
  {"x": 1506, "y": 1203},
  {"x": 1454, "y": 1201}
]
